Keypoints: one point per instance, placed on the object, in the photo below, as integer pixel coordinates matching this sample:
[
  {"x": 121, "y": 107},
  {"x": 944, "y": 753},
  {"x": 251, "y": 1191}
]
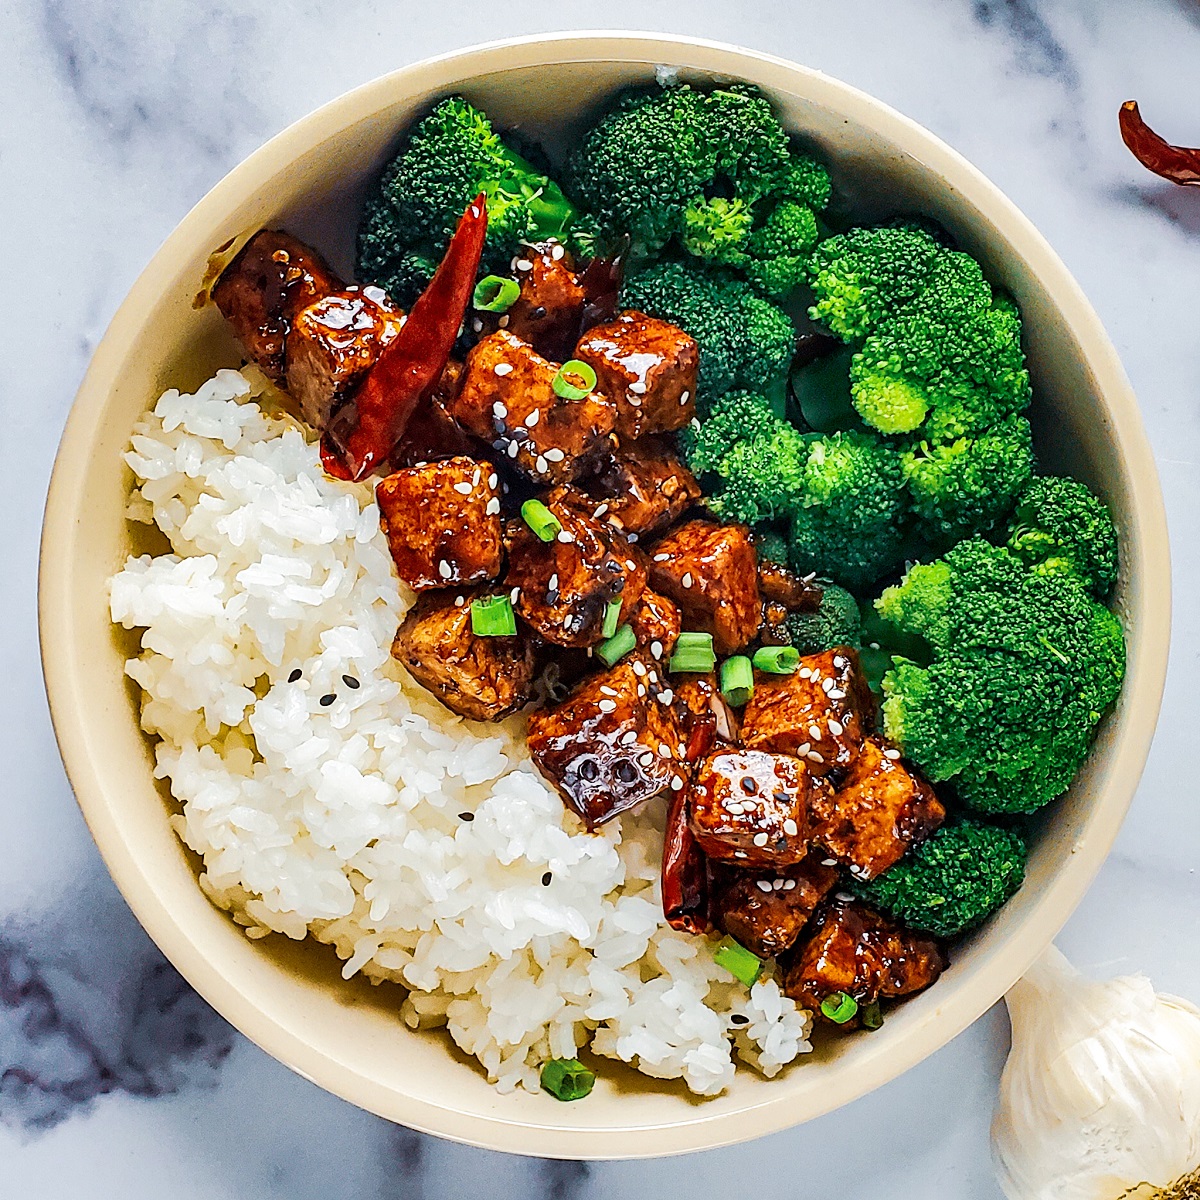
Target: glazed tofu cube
[
  {"x": 710, "y": 571},
  {"x": 881, "y": 811},
  {"x": 853, "y": 949},
  {"x": 645, "y": 488},
  {"x": 508, "y": 400},
  {"x": 564, "y": 587},
  {"x": 751, "y": 808},
  {"x": 442, "y": 522},
  {"x": 766, "y": 910},
  {"x": 613, "y": 743},
  {"x": 484, "y": 678},
  {"x": 333, "y": 343},
  {"x": 648, "y": 368},
  {"x": 819, "y": 712},
  {"x": 655, "y": 622},
  {"x": 547, "y": 312},
  {"x": 272, "y": 278}
]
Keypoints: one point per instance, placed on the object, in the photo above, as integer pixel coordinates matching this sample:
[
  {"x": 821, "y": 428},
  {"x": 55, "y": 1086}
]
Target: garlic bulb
[{"x": 1100, "y": 1097}]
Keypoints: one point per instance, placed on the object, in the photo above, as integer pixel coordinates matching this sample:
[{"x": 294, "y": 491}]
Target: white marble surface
[{"x": 115, "y": 1080}]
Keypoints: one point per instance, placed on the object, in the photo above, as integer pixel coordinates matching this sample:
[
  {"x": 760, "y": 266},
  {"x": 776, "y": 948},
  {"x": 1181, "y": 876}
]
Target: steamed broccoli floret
[
  {"x": 967, "y": 485},
  {"x": 713, "y": 171},
  {"x": 771, "y": 547},
  {"x": 745, "y": 341},
  {"x": 952, "y": 882},
  {"x": 1023, "y": 665},
  {"x": 451, "y": 156},
  {"x": 835, "y": 623},
  {"x": 1059, "y": 525}
]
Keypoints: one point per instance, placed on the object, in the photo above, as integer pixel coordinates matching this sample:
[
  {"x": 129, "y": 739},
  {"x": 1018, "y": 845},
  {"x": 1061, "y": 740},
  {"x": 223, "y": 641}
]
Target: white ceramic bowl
[{"x": 290, "y": 998}]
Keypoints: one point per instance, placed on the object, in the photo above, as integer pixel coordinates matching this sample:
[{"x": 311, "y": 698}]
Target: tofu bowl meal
[{"x": 604, "y": 569}]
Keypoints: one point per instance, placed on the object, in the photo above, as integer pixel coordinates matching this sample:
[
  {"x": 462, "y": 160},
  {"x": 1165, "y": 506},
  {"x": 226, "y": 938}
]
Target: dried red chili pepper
[
  {"x": 701, "y": 737},
  {"x": 1179, "y": 164},
  {"x": 365, "y": 430},
  {"x": 684, "y": 872}
]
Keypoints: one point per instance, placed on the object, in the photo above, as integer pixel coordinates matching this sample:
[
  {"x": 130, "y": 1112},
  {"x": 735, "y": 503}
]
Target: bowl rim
[{"x": 1144, "y": 682}]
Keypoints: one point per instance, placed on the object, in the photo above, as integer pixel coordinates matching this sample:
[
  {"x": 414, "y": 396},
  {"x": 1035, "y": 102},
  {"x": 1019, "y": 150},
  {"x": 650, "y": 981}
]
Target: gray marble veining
[{"x": 115, "y": 1079}]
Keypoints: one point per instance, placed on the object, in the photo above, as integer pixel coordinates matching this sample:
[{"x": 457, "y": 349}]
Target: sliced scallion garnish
[
  {"x": 612, "y": 614},
  {"x": 541, "y": 520},
  {"x": 567, "y": 1078},
  {"x": 777, "y": 660},
  {"x": 494, "y": 293},
  {"x": 737, "y": 680},
  {"x": 616, "y": 647},
  {"x": 738, "y": 961},
  {"x": 493, "y": 616},
  {"x": 839, "y": 1007},
  {"x": 693, "y": 653},
  {"x": 575, "y": 379},
  {"x": 871, "y": 1015}
]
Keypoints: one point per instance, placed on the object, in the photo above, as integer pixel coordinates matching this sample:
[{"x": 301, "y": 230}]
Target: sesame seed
[
  {"x": 892, "y": 754},
  {"x": 459, "y": 601},
  {"x": 630, "y": 564},
  {"x": 676, "y": 783},
  {"x": 734, "y": 809},
  {"x": 641, "y": 691},
  {"x": 804, "y": 673},
  {"x": 607, "y": 706},
  {"x": 829, "y": 862},
  {"x": 696, "y": 425},
  {"x": 839, "y": 661},
  {"x": 477, "y": 325},
  {"x": 554, "y": 454},
  {"x": 327, "y": 699},
  {"x": 445, "y": 570},
  {"x": 600, "y": 511},
  {"x": 837, "y": 695},
  {"x": 629, "y": 737},
  {"x": 606, "y": 690},
  {"x": 634, "y": 402},
  {"x": 492, "y": 507},
  {"x": 777, "y": 885},
  {"x": 638, "y": 386},
  {"x": 553, "y": 583},
  {"x": 844, "y": 897},
  {"x": 477, "y": 477},
  {"x": 463, "y": 488},
  {"x": 351, "y": 682},
  {"x": 639, "y": 668},
  {"x": 803, "y": 749},
  {"x": 512, "y": 450},
  {"x": 653, "y": 677},
  {"x": 764, "y": 885},
  {"x": 631, "y": 537},
  {"x": 523, "y": 264},
  {"x": 546, "y": 878},
  {"x": 533, "y": 418},
  {"x": 684, "y": 396},
  {"x": 503, "y": 322},
  {"x": 813, "y": 756},
  {"x": 656, "y": 648},
  {"x": 738, "y": 1019},
  {"x": 814, "y": 732},
  {"x": 664, "y": 751},
  {"x": 541, "y": 466},
  {"x": 809, "y": 577},
  {"x": 790, "y": 827},
  {"x": 500, "y": 409},
  {"x": 646, "y": 759},
  {"x": 493, "y": 479},
  {"x": 835, "y": 727},
  {"x": 666, "y": 697},
  {"x": 557, "y": 253},
  {"x": 760, "y": 839},
  {"x": 475, "y": 211},
  {"x": 739, "y": 854},
  {"x": 514, "y": 595},
  {"x": 661, "y": 557},
  {"x": 827, "y": 684},
  {"x": 687, "y": 579},
  {"x": 503, "y": 368},
  {"x": 466, "y": 816},
  {"x": 296, "y": 674},
  {"x": 789, "y": 885}
]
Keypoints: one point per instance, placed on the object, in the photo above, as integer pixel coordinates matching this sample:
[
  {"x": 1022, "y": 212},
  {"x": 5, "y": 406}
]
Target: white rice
[{"x": 342, "y": 822}]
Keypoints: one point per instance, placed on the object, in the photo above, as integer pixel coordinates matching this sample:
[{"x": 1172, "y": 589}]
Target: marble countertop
[{"x": 115, "y": 1079}]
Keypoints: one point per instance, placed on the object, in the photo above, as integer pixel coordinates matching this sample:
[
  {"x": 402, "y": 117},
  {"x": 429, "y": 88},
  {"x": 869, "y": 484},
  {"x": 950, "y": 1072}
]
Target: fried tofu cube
[
  {"x": 442, "y": 522},
  {"x": 855, "y": 950},
  {"x": 272, "y": 278},
  {"x": 710, "y": 571},
  {"x": 881, "y": 811},
  {"x": 508, "y": 400},
  {"x": 547, "y": 312},
  {"x": 564, "y": 587},
  {"x": 484, "y": 678},
  {"x": 648, "y": 367},
  {"x": 751, "y": 808},
  {"x": 613, "y": 743},
  {"x": 645, "y": 488},
  {"x": 655, "y": 622},
  {"x": 820, "y": 712},
  {"x": 333, "y": 343},
  {"x": 767, "y": 910}
]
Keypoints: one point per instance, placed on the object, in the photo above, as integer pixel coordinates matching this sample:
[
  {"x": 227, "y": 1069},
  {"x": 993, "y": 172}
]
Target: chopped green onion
[
  {"x": 777, "y": 660},
  {"x": 694, "y": 641},
  {"x": 871, "y": 1015},
  {"x": 492, "y": 616},
  {"x": 565, "y": 385},
  {"x": 692, "y": 662},
  {"x": 494, "y": 293},
  {"x": 612, "y": 614},
  {"x": 737, "y": 680},
  {"x": 738, "y": 961},
  {"x": 617, "y": 646},
  {"x": 541, "y": 520},
  {"x": 839, "y": 1007},
  {"x": 567, "y": 1078}
]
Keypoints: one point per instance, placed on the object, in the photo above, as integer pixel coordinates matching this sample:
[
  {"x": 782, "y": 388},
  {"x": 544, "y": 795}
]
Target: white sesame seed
[
  {"x": 566, "y": 536},
  {"x": 835, "y": 727},
  {"x": 493, "y": 479},
  {"x": 533, "y": 418},
  {"x": 804, "y": 673},
  {"x": 777, "y": 885},
  {"x": 646, "y": 759},
  {"x": 664, "y": 697},
  {"x": 553, "y": 584},
  {"x": 499, "y": 408},
  {"x": 554, "y": 454},
  {"x": 839, "y": 661},
  {"x": 475, "y": 211},
  {"x": 656, "y": 648},
  {"x": 639, "y": 668},
  {"x": 661, "y": 557},
  {"x": 607, "y": 706},
  {"x": 600, "y": 511},
  {"x": 463, "y": 488},
  {"x": 541, "y": 466},
  {"x": 813, "y": 756},
  {"x": 630, "y": 564},
  {"x": 512, "y": 450},
  {"x": 789, "y": 885},
  {"x": 514, "y": 595},
  {"x": 606, "y": 690},
  {"x": 734, "y": 809},
  {"x": 829, "y": 862},
  {"x": 492, "y": 507},
  {"x": 445, "y": 570},
  {"x": 477, "y": 477},
  {"x": 827, "y": 685},
  {"x": 477, "y": 325},
  {"x": 503, "y": 322},
  {"x": 641, "y": 691},
  {"x": 523, "y": 264},
  {"x": 760, "y": 839},
  {"x": 459, "y": 601},
  {"x": 634, "y": 402},
  {"x": 814, "y": 732},
  {"x": 664, "y": 751},
  {"x": 764, "y": 885},
  {"x": 676, "y": 782},
  {"x": 687, "y": 579},
  {"x": 653, "y": 677},
  {"x": 892, "y": 754},
  {"x": 837, "y": 695},
  {"x": 809, "y": 577},
  {"x": 790, "y": 827},
  {"x": 684, "y": 396},
  {"x": 803, "y": 749},
  {"x": 557, "y": 253},
  {"x": 631, "y": 537},
  {"x": 844, "y": 897},
  {"x": 638, "y": 387},
  {"x": 503, "y": 368},
  {"x": 629, "y": 736},
  {"x": 696, "y": 425}
]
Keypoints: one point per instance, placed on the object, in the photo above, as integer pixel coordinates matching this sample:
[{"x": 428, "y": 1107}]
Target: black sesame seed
[
  {"x": 296, "y": 674},
  {"x": 350, "y": 681},
  {"x": 328, "y": 699},
  {"x": 749, "y": 785},
  {"x": 552, "y": 598},
  {"x": 589, "y": 769},
  {"x": 466, "y": 816},
  {"x": 536, "y": 314},
  {"x": 549, "y": 875},
  {"x": 738, "y": 1019}
]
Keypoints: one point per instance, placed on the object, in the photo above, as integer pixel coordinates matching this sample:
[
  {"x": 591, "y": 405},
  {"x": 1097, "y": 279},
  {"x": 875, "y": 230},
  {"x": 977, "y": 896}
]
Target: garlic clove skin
[{"x": 1101, "y": 1090}]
